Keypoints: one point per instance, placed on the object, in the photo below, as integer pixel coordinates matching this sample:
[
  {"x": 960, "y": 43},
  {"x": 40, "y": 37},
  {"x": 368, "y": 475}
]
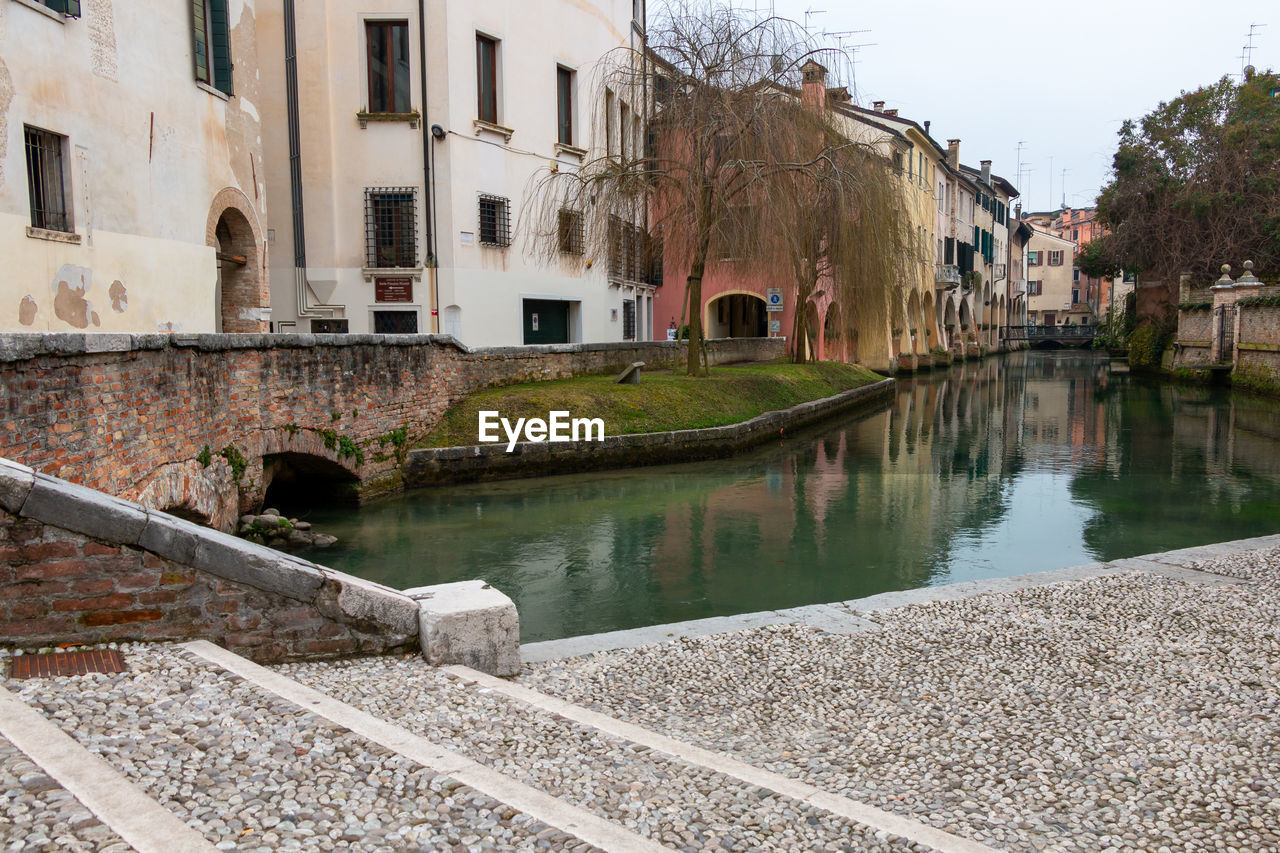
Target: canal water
[{"x": 1021, "y": 463}]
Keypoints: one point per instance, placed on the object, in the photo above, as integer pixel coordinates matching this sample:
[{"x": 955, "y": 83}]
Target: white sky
[{"x": 1061, "y": 77}]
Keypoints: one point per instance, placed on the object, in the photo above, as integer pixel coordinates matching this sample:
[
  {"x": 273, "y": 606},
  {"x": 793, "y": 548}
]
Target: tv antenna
[
  {"x": 1021, "y": 142},
  {"x": 1248, "y": 48},
  {"x": 1064, "y": 187},
  {"x": 810, "y": 12}
]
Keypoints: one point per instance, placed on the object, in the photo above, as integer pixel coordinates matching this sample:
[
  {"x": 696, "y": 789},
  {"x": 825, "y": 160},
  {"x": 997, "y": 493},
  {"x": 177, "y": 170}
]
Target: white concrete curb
[{"x": 141, "y": 821}]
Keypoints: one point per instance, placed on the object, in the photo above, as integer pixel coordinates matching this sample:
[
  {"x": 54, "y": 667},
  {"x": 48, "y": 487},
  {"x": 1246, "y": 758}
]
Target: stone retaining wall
[
  {"x": 442, "y": 465},
  {"x": 130, "y": 414}
]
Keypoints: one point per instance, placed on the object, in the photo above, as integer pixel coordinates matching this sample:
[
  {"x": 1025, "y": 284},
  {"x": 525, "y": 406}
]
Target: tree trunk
[{"x": 694, "y": 288}]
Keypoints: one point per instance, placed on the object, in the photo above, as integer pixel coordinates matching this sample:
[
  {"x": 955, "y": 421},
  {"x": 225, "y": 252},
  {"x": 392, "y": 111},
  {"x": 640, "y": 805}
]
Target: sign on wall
[
  {"x": 393, "y": 289},
  {"x": 775, "y": 326},
  {"x": 773, "y": 299}
]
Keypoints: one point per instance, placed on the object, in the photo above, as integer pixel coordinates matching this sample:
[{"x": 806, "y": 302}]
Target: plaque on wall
[{"x": 393, "y": 288}]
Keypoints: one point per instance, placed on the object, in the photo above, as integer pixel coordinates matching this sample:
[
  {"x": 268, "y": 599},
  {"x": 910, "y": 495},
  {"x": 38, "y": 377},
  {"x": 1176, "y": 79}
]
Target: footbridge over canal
[
  {"x": 1052, "y": 336},
  {"x": 208, "y": 426}
]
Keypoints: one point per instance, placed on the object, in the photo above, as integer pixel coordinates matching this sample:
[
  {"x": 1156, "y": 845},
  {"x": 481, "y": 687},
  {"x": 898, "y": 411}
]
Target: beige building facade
[
  {"x": 400, "y": 173},
  {"x": 131, "y": 194},
  {"x": 1052, "y": 297}
]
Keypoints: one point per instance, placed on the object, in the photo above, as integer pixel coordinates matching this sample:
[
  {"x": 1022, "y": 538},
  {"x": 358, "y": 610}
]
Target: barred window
[
  {"x": 628, "y": 319},
  {"x": 495, "y": 221},
  {"x": 570, "y": 231},
  {"x": 45, "y": 180},
  {"x": 391, "y": 229},
  {"x": 655, "y": 261},
  {"x": 628, "y": 257}
]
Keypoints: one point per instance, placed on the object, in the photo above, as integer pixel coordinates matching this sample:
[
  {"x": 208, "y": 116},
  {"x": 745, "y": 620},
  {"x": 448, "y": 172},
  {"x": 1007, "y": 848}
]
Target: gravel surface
[
  {"x": 252, "y": 772},
  {"x": 1129, "y": 712},
  {"x": 38, "y": 814},
  {"x": 677, "y": 804}
]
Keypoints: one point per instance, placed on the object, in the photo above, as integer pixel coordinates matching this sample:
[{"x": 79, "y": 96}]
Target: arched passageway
[
  {"x": 737, "y": 315},
  {"x": 302, "y": 479}
]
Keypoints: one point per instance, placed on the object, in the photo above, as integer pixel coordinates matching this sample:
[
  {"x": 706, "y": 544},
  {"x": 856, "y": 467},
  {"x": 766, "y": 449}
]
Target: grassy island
[{"x": 662, "y": 401}]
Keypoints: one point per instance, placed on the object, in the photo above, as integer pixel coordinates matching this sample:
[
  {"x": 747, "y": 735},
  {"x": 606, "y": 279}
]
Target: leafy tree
[{"x": 1196, "y": 183}]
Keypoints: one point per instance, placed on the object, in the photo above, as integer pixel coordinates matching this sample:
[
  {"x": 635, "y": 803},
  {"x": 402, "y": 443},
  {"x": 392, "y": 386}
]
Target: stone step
[
  {"x": 672, "y": 792},
  {"x": 247, "y": 768}
]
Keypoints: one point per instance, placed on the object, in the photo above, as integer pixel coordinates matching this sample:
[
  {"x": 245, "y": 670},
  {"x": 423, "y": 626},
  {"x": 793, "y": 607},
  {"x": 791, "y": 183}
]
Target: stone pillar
[{"x": 1221, "y": 329}]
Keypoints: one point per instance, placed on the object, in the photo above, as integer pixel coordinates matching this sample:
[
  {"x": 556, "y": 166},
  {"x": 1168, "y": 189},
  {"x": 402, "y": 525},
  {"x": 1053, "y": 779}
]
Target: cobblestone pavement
[
  {"x": 254, "y": 772},
  {"x": 38, "y": 814},
  {"x": 1122, "y": 713},
  {"x": 679, "y": 805}
]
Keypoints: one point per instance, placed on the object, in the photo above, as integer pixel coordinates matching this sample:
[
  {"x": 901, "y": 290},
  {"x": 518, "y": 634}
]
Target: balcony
[
  {"x": 946, "y": 274},
  {"x": 999, "y": 273}
]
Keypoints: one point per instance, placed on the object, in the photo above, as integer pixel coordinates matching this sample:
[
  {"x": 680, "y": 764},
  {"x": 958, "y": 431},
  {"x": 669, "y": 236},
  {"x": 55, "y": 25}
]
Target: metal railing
[
  {"x": 1050, "y": 333},
  {"x": 946, "y": 274}
]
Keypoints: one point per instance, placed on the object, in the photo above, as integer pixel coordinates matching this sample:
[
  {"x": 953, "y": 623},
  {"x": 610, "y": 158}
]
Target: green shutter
[
  {"x": 199, "y": 45},
  {"x": 72, "y": 8},
  {"x": 221, "y": 46},
  {"x": 56, "y": 5}
]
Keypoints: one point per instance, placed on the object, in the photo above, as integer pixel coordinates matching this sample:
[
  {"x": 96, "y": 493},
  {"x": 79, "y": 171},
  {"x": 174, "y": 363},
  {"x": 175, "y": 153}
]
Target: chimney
[
  {"x": 813, "y": 91},
  {"x": 953, "y": 153},
  {"x": 986, "y": 171},
  {"x": 1017, "y": 211},
  {"x": 926, "y": 127},
  {"x": 878, "y": 106},
  {"x": 891, "y": 112}
]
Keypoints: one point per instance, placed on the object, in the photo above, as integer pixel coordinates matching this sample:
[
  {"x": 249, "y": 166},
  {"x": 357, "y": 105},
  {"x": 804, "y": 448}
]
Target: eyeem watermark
[{"x": 558, "y": 427}]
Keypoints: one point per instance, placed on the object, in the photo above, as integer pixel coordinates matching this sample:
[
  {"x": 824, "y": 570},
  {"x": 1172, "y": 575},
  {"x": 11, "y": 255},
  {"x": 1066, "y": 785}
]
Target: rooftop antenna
[
  {"x": 810, "y": 12},
  {"x": 1021, "y": 142},
  {"x": 1064, "y": 187},
  {"x": 1248, "y": 48}
]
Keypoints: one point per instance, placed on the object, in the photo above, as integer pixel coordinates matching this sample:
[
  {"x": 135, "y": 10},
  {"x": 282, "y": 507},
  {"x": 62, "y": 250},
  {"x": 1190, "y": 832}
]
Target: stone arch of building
[
  {"x": 916, "y": 324},
  {"x": 243, "y": 292},
  {"x": 734, "y": 324}
]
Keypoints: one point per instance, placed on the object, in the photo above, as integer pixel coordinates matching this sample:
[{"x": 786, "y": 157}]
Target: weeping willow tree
[
  {"x": 839, "y": 223},
  {"x": 717, "y": 171}
]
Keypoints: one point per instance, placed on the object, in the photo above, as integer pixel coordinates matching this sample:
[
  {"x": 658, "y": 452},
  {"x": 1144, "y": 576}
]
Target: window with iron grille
[
  {"x": 390, "y": 226},
  {"x": 46, "y": 183},
  {"x": 655, "y": 261},
  {"x": 570, "y": 231},
  {"x": 211, "y": 43},
  {"x": 495, "y": 221},
  {"x": 628, "y": 259},
  {"x": 395, "y": 322},
  {"x": 628, "y": 319}
]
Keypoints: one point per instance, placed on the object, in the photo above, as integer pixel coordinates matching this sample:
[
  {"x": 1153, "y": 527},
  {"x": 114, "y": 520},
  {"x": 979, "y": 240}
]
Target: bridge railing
[{"x": 1050, "y": 333}]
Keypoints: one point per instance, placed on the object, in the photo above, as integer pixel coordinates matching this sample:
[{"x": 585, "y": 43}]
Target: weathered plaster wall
[
  {"x": 146, "y": 152},
  {"x": 129, "y": 414}
]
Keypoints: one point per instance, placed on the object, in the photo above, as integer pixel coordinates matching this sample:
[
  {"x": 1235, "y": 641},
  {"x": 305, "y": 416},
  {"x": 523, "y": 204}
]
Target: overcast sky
[{"x": 1061, "y": 77}]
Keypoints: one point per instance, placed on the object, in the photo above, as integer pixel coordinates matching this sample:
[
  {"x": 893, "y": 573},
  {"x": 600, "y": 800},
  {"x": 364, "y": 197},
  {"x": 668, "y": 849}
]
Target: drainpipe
[
  {"x": 427, "y": 141},
  {"x": 305, "y": 308}
]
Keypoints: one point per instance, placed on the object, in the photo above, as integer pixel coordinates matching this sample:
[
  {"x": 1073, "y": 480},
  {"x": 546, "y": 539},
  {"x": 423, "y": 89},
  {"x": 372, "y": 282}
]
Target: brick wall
[
  {"x": 116, "y": 412},
  {"x": 78, "y": 566}
]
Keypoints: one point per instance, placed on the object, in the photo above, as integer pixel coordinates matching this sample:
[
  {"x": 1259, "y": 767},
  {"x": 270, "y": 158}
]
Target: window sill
[
  {"x": 54, "y": 236},
  {"x": 43, "y": 10},
  {"x": 370, "y": 273},
  {"x": 571, "y": 151},
  {"x": 411, "y": 117},
  {"x": 217, "y": 93},
  {"x": 489, "y": 127}
]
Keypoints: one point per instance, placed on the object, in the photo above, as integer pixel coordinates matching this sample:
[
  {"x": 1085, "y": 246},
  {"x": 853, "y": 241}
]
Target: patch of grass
[{"x": 662, "y": 401}]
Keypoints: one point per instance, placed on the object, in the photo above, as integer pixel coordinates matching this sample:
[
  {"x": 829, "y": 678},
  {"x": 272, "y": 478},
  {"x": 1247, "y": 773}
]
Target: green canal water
[{"x": 1027, "y": 462}]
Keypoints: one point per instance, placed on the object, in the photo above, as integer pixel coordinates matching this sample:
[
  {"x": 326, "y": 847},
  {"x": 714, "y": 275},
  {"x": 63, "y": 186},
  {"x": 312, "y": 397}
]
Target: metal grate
[
  {"x": 66, "y": 663},
  {"x": 570, "y": 231},
  {"x": 391, "y": 227},
  {"x": 395, "y": 322},
  {"x": 495, "y": 220},
  {"x": 45, "y": 180},
  {"x": 628, "y": 319}
]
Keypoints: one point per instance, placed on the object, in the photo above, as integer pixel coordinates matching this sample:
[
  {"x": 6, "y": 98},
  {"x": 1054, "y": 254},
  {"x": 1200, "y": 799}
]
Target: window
[
  {"x": 609, "y": 149},
  {"x": 70, "y": 8},
  {"x": 564, "y": 105},
  {"x": 487, "y": 78},
  {"x": 624, "y": 130},
  {"x": 391, "y": 227},
  {"x": 212, "y": 43},
  {"x": 1075, "y": 275},
  {"x": 629, "y": 319},
  {"x": 1034, "y": 259},
  {"x": 570, "y": 231},
  {"x": 1075, "y": 296},
  {"x": 495, "y": 221},
  {"x": 330, "y": 327},
  {"x": 395, "y": 322},
  {"x": 387, "y": 50},
  {"x": 1075, "y": 233},
  {"x": 46, "y": 181},
  {"x": 897, "y": 162},
  {"x": 627, "y": 254},
  {"x": 1055, "y": 258},
  {"x": 1035, "y": 288}
]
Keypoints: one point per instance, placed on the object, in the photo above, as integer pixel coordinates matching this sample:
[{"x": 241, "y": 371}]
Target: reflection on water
[{"x": 1029, "y": 462}]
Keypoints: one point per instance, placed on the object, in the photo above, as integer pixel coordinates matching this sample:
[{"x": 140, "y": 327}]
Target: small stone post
[{"x": 1223, "y": 303}]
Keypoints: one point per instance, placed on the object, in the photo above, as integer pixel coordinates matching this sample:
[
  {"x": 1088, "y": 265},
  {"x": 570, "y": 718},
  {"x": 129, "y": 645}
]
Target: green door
[{"x": 546, "y": 321}]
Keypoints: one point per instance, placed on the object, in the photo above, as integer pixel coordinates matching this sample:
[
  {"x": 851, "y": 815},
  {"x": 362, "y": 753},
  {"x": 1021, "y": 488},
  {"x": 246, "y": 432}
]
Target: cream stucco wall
[
  {"x": 478, "y": 291},
  {"x": 146, "y": 154},
  {"x": 1055, "y": 297}
]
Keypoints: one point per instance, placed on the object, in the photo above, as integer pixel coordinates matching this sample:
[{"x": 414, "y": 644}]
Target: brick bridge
[{"x": 207, "y": 426}]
